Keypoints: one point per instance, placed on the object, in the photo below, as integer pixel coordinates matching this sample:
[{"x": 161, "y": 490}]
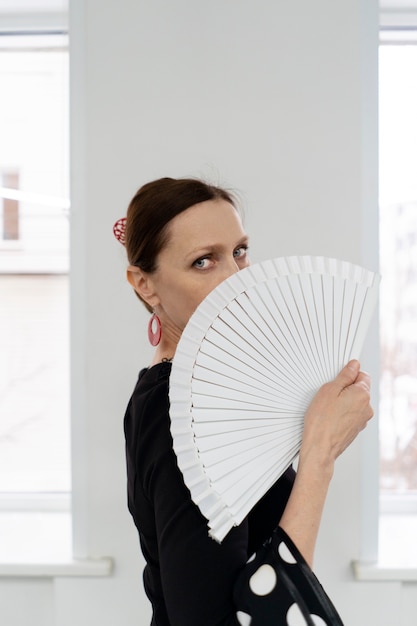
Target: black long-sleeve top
[{"x": 188, "y": 577}]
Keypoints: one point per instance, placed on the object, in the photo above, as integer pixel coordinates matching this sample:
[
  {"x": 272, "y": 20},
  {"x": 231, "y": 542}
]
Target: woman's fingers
[
  {"x": 339, "y": 411},
  {"x": 363, "y": 380},
  {"x": 348, "y": 374}
]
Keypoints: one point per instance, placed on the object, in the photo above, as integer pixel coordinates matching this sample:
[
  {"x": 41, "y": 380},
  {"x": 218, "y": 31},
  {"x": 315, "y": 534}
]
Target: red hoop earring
[{"x": 154, "y": 330}]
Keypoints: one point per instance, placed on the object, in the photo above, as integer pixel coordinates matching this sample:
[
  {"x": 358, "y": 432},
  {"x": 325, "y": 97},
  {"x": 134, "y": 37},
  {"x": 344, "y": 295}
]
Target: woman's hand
[{"x": 338, "y": 412}]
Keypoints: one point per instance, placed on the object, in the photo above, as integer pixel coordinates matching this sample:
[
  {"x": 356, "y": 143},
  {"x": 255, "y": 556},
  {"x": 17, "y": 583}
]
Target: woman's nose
[{"x": 231, "y": 267}]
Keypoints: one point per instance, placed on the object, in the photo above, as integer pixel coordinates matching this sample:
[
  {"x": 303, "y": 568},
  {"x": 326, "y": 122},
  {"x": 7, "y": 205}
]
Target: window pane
[
  {"x": 34, "y": 161},
  {"x": 398, "y": 258},
  {"x": 34, "y": 403},
  {"x": 34, "y": 242}
]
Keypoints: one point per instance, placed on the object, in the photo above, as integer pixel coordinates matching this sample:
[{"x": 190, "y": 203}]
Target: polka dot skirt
[{"x": 278, "y": 588}]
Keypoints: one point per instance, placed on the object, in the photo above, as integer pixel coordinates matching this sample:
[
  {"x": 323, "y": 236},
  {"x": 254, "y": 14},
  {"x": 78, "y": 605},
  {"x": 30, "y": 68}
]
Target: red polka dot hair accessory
[{"x": 119, "y": 230}]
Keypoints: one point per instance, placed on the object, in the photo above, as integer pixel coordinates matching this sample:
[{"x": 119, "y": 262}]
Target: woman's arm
[{"x": 338, "y": 412}]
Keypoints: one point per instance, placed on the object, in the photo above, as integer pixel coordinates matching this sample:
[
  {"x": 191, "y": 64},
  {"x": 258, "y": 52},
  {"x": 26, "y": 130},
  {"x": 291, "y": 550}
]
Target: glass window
[
  {"x": 398, "y": 262},
  {"x": 34, "y": 261}
]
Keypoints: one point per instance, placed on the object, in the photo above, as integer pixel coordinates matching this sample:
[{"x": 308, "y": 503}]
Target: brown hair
[{"x": 152, "y": 208}]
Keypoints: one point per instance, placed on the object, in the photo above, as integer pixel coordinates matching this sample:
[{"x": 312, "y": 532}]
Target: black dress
[{"x": 190, "y": 579}]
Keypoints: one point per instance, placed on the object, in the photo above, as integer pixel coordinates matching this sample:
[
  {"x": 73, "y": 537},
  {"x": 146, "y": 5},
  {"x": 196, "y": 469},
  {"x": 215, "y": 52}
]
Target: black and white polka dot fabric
[{"x": 278, "y": 588}]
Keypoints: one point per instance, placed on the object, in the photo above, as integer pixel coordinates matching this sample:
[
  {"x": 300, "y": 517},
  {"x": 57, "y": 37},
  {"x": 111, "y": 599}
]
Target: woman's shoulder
[
  {"x": 152, "y": 382},
  {"x": 157, "y": 374},
  {"x": 148, "y": 408}
]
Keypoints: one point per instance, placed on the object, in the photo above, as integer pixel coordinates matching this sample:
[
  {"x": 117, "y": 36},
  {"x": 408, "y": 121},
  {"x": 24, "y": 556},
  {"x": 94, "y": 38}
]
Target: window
[
  {"x": 398, "y": 300},
  {"x": 34, "y": 261}
]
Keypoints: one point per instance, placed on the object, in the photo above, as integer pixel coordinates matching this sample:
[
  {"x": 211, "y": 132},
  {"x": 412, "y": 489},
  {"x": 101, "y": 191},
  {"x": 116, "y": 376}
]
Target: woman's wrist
[{"x": 315, "y": 462}]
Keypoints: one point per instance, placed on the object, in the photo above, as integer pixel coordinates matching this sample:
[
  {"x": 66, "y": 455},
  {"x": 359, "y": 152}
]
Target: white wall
[{"x": 277, "y": 100}]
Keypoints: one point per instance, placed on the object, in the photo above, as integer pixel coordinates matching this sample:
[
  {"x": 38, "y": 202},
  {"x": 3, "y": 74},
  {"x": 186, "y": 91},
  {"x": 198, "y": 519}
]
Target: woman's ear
[{"x": 142, "y": 283}]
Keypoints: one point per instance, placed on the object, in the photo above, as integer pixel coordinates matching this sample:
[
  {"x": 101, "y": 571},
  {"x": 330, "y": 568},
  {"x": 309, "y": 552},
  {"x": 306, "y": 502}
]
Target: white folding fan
[{"x": 249, "y": 362}]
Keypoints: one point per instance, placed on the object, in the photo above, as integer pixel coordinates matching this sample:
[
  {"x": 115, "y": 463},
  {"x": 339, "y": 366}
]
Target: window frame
[
  {"x": 34, "y": 31},
  {"x": 397, "y": 27}
]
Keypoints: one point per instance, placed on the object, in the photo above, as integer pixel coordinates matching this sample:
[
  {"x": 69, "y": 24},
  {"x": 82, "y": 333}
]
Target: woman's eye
[
  {"x": 240, "y": 252},
  {"x": 202, "y": 264}
]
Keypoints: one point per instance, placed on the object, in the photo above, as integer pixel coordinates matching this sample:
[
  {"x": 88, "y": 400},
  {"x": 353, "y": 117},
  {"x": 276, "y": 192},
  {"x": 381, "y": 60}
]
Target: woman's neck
[{"x": 164, "y": 352}]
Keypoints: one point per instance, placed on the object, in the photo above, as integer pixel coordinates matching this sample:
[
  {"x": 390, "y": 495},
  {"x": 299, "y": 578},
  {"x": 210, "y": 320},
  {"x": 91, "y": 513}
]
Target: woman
[{"x": 183, "y": 237}]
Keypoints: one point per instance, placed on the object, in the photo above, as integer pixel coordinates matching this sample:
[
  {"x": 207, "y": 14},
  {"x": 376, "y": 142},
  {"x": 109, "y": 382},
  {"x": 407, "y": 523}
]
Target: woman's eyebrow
[{"x": 203, "y": 249}]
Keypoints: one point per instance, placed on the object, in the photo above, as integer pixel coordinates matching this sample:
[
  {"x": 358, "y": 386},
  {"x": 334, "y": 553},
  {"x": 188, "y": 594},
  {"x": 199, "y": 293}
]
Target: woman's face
[{"x": 206, "y": 244}]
